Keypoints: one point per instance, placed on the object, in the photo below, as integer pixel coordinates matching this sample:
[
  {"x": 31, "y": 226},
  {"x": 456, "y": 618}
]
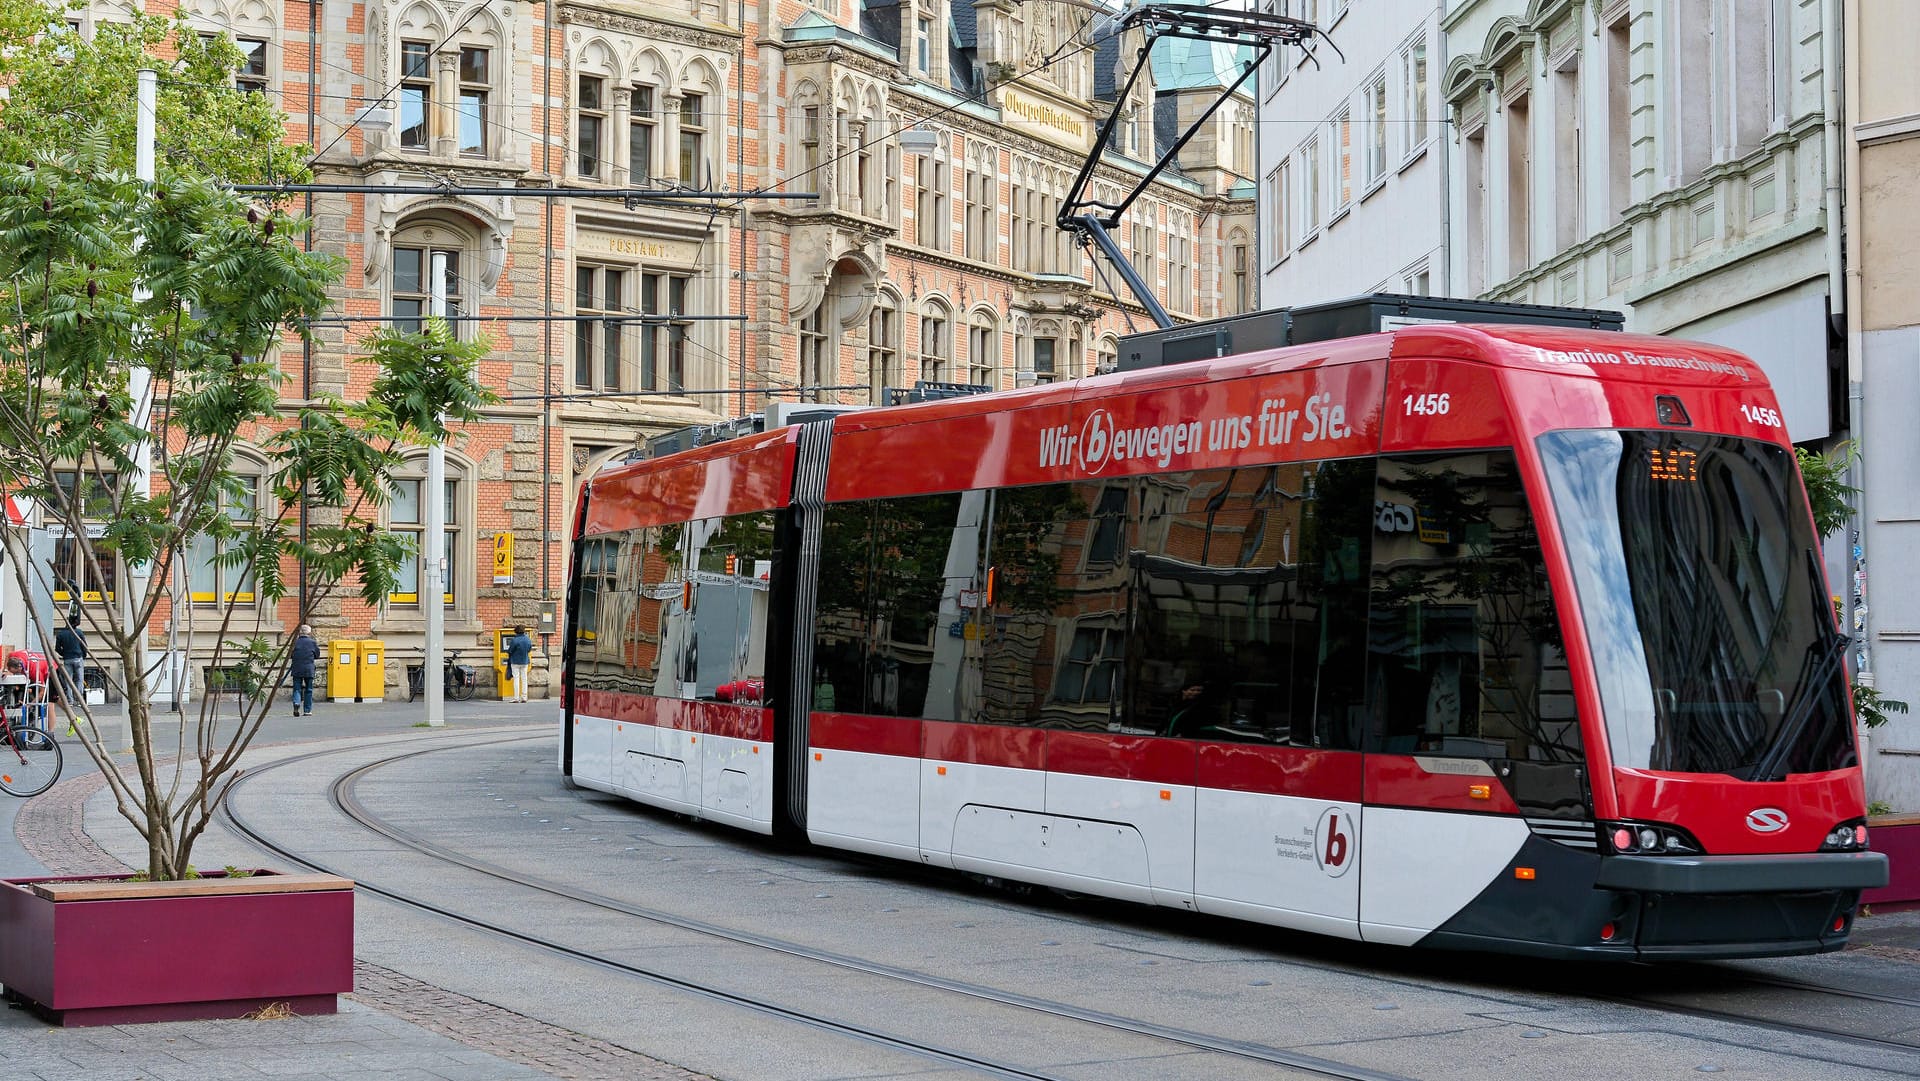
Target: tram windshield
[{"x": 1706, "y": 613}]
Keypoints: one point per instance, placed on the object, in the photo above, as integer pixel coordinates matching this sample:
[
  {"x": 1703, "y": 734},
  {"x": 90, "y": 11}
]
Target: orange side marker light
[
  {"x": 941, "y": 770},
  {"x": 1480, "y": 791},
  {"x": 816, "y": 756},
  {"x": 1524, "y": 874},
  {"x": 1166, "y": 795}
]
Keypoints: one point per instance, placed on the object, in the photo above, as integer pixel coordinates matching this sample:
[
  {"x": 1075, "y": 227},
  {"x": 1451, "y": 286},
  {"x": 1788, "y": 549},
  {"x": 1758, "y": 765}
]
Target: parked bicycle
[
  {"x": 29, "y": 757},
  {"x": 457, "y": 679}
]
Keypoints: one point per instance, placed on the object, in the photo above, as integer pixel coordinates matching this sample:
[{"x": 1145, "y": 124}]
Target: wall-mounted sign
[
  {"x": 1054, "y": 121},
  {"x": 503, "y": 559},
  {"x": 643, "y": 248}
]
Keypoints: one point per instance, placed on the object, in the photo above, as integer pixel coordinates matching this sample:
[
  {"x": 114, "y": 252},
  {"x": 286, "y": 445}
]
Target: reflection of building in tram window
[
  {"x": 1465, "y": 643},
  {"x": 1248, "y": 582}
]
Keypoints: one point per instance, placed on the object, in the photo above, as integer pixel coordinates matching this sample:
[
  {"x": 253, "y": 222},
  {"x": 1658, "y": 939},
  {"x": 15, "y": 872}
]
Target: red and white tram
[{"x": 1467, "y": 636}]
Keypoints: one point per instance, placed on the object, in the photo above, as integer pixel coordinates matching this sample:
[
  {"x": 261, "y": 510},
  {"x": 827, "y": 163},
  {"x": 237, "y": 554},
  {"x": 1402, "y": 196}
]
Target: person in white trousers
[{"x": 519, "y": 660}]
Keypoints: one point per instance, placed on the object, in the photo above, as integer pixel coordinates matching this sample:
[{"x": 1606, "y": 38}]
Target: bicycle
[
  {"x": 458, "y": 679},
  {"x": 29, "y": 757}
]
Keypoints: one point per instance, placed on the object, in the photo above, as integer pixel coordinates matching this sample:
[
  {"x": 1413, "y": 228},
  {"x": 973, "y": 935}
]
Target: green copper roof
[{"x": 1179, "y": 64}]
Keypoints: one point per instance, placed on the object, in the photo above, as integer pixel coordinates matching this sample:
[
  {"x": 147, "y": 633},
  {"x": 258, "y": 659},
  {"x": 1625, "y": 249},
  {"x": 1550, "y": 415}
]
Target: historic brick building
[{"x": 940, "y": 139}]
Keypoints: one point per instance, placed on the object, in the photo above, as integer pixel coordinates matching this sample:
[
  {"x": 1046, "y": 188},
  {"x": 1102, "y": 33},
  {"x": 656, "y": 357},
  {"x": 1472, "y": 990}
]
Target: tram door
[
  {"x": 1468, "y": 688},
  {"x": 1254, "y": 638}
]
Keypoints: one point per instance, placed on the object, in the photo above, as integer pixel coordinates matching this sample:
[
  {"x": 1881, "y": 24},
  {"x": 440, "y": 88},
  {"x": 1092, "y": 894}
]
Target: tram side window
[
  {"x": 892, "y": 576},
  {"x": 650, "y": 578},
  {"x": 727, "y": 653},
  {"x": 1053, "y": 634},
  {"x": 597, "y": 614},
  {"x": 1090, "y": 616},
  {"x": 1464, "y": 641},
  {"x": 844, "y": 608},
  {"x": 1248, "y": 592}
]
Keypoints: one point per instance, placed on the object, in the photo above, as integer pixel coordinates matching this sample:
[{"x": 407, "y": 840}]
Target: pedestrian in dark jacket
[
  {"x": 302, "y": 657},
  {"x": 70, "y": 646},
  {"x": 519, "y": 660}
]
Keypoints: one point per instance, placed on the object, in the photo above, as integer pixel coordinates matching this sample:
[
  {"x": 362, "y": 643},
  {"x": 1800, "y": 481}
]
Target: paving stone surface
[{"x": 391, "y": 1028}]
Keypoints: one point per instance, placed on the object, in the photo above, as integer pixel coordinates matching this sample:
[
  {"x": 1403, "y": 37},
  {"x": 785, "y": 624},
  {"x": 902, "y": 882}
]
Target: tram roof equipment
[{"x": 1348, "y": 317}]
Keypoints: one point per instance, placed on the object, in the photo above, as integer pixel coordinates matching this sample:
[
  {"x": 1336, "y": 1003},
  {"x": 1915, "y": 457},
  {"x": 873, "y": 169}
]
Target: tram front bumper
[{"x": 1784, "y": 873}]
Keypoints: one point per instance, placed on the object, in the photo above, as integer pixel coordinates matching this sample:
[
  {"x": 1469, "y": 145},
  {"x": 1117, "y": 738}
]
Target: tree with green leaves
[
  {"x": 226, "y": 287},
  {"x": 1831, "y": 497}
]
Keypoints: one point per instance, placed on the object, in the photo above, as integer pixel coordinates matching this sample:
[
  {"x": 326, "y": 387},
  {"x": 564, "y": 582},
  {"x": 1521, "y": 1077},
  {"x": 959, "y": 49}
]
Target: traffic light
[{"x": 730, "y": 562}]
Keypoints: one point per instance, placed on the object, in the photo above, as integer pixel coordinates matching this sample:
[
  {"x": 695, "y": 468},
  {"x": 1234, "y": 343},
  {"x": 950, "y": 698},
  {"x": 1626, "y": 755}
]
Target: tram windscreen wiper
[{"x": 1823, "y": 657}]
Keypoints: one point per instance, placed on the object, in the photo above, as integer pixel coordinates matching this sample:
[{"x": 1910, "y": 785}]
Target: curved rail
[{"x": 345, "y": 799}]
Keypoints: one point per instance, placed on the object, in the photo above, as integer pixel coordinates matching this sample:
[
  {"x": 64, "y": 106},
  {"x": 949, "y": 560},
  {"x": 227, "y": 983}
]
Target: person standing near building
[
  {"x": 301, "y": 660},
  {"x": 70, "y": 646},
  {"x": 519, "y": 659}
]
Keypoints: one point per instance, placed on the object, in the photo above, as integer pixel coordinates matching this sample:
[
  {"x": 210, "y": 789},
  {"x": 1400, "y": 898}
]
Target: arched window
[
  {"x": 1108, "y": 353},
  {"x": 936, "y": 342},
  {"x": 982, "y": 193},
  {"x": 983, "y": 349},
  {"x": 251, "y": 26},
  {"x": 871, "y": 189},
  {"x": 1239, "y": 296},
  {"x": 208, "y": 580},
  {"x": 1048, "y": 361},
  {"x": 648, "y": 78},
  {"x": 418, "y": 28},
  {"x": 810, "y": 147},
  {"x": 593, "y": 110},
  {"x": 816, "y": 354},
  {"x": 883, "y": 346},
  {"x": 407, "y": 516},
  {"x": 891, "y": 174},
  {"x": 410, "y": 286},
  {"x": 464, "y": 73},
  {"x": 78, "y": 570},
  {"x": 700, "y": 114},
  {"x": 933, "y": 180},
  {"x": 1017, "y": 209}
]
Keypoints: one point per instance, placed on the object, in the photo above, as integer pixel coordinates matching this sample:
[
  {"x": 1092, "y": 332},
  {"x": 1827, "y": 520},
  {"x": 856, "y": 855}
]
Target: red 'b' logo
[{"x": 1334, "y": 839}]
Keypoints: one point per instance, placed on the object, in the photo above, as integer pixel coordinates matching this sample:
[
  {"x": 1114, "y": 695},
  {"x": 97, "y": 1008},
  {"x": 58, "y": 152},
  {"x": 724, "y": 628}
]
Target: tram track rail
[
  {"x": 1724, "y": 979},
  {"x": 344, "y": 797}
]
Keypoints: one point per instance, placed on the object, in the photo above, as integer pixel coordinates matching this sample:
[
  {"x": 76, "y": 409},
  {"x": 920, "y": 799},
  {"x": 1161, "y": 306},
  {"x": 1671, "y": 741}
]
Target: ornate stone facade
[{"x": 939, "y": 263}]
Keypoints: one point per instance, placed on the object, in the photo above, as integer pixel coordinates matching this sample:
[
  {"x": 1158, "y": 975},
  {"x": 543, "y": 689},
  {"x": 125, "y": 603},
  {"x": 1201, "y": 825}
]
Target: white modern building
[
  {"x": 1676, "y": 160},
  {"x": 1663, "y": 159},
  {"x": 1352, "y": 155},
  {"x": 1883, "y": 338},
  {"x": 1670, "y": 160}
]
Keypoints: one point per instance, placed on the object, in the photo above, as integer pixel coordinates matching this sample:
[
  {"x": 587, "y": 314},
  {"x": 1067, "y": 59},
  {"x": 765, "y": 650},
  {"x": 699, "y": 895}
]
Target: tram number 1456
[{"x": 1429, "y": 405}]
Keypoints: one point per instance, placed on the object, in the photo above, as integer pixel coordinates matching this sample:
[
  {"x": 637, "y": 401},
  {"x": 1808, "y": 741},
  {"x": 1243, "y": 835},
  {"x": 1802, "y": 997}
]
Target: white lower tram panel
[
  {"x": 719, "y": 778},
  {"x": 1381, "y": 874},
  {"x": 1331, "y": 867}
]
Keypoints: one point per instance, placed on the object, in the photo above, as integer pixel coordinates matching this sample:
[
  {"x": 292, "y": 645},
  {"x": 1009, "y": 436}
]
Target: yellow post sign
[{"x": 503, "y": 559}]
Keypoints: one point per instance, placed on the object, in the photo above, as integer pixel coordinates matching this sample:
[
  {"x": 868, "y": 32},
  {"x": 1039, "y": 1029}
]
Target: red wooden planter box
[
  {"x": 101, "y": 950},
  {"x": 1899, "y": 837}
]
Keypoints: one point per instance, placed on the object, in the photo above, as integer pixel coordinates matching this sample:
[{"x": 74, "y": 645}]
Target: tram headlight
[
  {"x": 1649, "y": 839},
  {"x": 1846, "y": 837}
]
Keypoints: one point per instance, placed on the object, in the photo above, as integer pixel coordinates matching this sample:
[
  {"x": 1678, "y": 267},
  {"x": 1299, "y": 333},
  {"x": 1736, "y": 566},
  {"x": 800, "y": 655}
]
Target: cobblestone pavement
[
  {"x": 51, "y": 828},
  {"x": 509, "y": 1035}
]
